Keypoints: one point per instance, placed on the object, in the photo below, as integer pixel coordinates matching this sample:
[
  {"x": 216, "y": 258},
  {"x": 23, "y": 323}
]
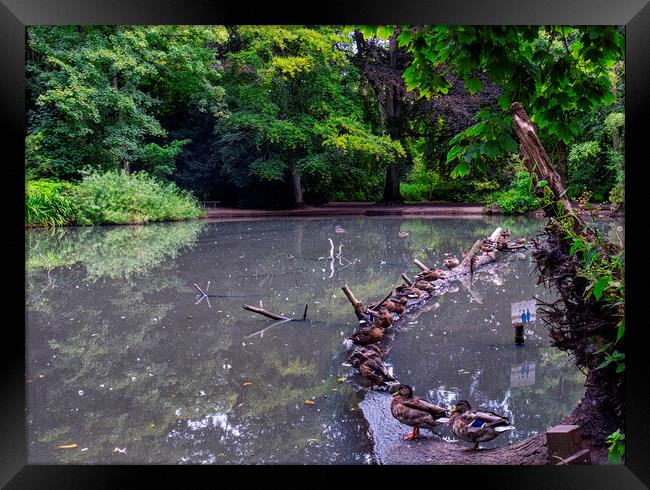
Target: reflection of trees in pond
[
  {"x": 109, "y": 252},
  {"x": 438, "y": 236},
  {"x": 139, "y": 393}
]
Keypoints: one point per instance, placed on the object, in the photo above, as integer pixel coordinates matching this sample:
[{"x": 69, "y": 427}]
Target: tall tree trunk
[
  {"x": 296, "y": 187},
  {"x": 115, "y": 84},
  {"x": 616, "y": 141},
  {"x": 392, "y": 122},
  {"x": 391, "y": 188},
  {"x": 562, "y": 163}
]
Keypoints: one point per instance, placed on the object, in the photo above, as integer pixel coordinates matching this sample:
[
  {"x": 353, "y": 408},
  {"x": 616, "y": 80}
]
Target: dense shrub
[
  {"x": 114, "y": 197},
  {"x": 117, "y": 198},
  {"x": 589, "y": 171},
  {"x": 48, "y": 203},
  {"x": 518, "y": 197}
]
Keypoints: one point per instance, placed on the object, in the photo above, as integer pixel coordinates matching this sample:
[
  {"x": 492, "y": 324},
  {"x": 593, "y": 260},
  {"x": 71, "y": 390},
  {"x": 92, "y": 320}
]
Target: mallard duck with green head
[
  {"x": 476, "y": 426},
  {"x": 415, "y": 412}
]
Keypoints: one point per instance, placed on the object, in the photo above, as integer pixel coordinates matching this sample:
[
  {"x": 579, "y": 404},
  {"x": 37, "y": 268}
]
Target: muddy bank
[{"x": 353, "y": 209}]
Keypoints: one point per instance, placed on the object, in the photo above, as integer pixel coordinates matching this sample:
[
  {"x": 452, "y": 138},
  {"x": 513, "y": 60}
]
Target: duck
[
  {"x": 451, "y": 262},
  {"x": 361, "y": 354},
  {"x": 411, "y": 290},
  {"x": 385, "y": 318},
  {"x": 432, "y": 275},
  {"x": 374, "y": 370},
  {"x": 476, "y": 426},
  {"x": 415, "y": 412},
  {"x": 425, "y": 286},
  {"x": 394, "y": 307},
  {"x": 367, "y": 335}
]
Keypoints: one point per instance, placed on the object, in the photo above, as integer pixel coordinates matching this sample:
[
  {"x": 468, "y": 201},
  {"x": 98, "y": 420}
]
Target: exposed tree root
[{"x": 580, "y": 327}]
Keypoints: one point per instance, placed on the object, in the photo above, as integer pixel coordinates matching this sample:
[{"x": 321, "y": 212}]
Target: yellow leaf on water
[
  {"x": 340, "y": 380},
  {"x": 67, "y": 446},
  {"x": 309, "y": 402},
  {"x": 248, "y": 383}
]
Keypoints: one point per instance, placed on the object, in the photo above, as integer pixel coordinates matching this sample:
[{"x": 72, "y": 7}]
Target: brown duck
[
  {"x": 367, "y": 335},
  {"x": 385, "y": 319},
  {"x": 374, "y": 370},
  {"x": 476, "y": 426},
  {"x": 425, "y": 286},
  {"x": 451, "y": 262},
  {"x": 432, "y": 275},
  {"x": 416, "y": 412},
  {"x": 394, "y": 306},
  {"x": 361, "y": 354},
  {"x": 411, "y": 290}
]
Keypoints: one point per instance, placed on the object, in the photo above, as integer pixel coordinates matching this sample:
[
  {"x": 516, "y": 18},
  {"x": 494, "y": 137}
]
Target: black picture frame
[{"x": 16, "y": 14}]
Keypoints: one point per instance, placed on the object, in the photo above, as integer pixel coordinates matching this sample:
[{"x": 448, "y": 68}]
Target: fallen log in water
[{"x": 429, "y": 283}]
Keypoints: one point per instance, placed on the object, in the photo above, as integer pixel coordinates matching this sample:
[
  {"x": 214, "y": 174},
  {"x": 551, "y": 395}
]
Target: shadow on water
[{"x": 124, "y": 363}]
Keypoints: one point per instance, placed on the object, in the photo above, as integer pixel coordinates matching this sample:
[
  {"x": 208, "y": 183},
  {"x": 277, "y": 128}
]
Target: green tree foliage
[
  {"x": 96, "y": 94},
  {"x": 557, "y": 72},
  {"x": 296, "y": 111}
]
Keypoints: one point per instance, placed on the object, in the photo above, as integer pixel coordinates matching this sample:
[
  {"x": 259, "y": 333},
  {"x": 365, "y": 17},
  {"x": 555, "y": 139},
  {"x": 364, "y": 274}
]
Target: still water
[{"x": 126, "y": 362}]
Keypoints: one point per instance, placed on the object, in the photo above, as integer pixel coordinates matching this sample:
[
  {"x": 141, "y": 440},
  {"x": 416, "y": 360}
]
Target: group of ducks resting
[
  {"x": 469, "y": 425},
  {"x": 466, "y": 424}
]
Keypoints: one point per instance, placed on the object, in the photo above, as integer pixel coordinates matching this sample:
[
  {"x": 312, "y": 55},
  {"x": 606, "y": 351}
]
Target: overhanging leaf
[
  {"x": 600, "y": 286},
  {"x": 473, "y": 85},
  {"x": 460, "y": 170}
]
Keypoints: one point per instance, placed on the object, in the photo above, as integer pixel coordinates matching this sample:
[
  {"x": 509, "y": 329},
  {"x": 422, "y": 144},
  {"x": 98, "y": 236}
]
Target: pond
[{"x": 128, "y": 365}]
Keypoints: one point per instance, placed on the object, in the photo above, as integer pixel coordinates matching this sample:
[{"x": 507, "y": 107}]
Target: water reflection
[{"x": 121, "y": 356}]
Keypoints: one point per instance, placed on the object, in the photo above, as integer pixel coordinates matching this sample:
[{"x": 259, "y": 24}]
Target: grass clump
[
  {"x": 114, "y": 197},
  {"x": 48, "y": 203}
]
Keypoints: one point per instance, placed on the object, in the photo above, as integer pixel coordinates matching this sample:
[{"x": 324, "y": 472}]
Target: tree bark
[
  {"x": 296, "y": 187},
  {"x": 392, "y": 122},
  {"x": 391, "y": 188},
  {"x": 536, "y": 159},
  {"x": 616, "y": 141},
  {"x": 115, "y": 84},
  {"x": 562, "y": 169}
]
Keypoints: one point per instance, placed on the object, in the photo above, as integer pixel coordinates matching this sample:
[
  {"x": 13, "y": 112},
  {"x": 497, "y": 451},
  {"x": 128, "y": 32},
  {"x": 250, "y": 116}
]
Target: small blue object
[{"x": 478, "y": 423}]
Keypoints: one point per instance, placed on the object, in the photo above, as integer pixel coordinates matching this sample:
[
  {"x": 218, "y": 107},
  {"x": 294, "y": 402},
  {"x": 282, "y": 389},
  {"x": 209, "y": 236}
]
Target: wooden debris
[
  {"x": 263, "y": 312},
  {"x": 581, "y": 457},
  {"x": 420, "y": 265},
  {"x": 358, "y": 307},
  {"x": 407, "y": 280}
]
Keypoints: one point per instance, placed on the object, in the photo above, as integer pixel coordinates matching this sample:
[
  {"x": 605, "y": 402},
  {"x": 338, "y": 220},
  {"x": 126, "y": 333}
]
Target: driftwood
[
  {"x": 281, "y": 319},
  {"x": 358, "y": 307},
  {"x": 421, "y": 265},
  {"x": 265, "y": 313},
  {"x": 407, "y": 280}
]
